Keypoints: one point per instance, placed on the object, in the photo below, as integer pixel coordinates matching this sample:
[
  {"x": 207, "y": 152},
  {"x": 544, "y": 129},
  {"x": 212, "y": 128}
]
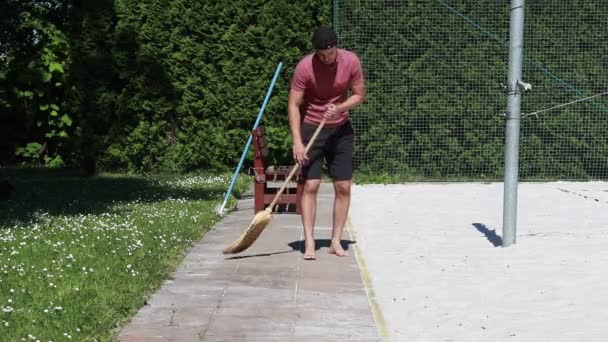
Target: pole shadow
[{"x": 491, "y": 235}]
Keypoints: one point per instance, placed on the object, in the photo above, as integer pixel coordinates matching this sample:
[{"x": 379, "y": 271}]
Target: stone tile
[
  {"x": 266, "y": 293},
  {"x": 247, "y": 326},
  {"x": 159, "y": 334}
]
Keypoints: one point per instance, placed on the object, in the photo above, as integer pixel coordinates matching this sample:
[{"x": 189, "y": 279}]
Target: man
[{"x": 320, "y": 87}]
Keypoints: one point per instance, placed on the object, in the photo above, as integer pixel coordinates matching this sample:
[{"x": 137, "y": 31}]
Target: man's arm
[
  {"x": 293, "y": 108},
  {"x": 357, "y": 88},
  {"x": 296, "y": 97},
  {"x": 356, "y": 98}
]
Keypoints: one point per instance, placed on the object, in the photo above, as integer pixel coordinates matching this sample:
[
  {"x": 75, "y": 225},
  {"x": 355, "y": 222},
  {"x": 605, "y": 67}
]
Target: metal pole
[
  {"x": 335, "y": 16},
  {"x": 220, "y": 209},
  {"x": 513, "y": 117}
]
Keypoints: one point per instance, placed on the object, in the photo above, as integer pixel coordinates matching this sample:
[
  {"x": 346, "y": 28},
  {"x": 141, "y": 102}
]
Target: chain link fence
[{"x": 435, "y": 98}]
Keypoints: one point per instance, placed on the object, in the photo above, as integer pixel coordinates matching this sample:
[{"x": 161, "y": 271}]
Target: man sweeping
[{"x": 320, "y": 88}]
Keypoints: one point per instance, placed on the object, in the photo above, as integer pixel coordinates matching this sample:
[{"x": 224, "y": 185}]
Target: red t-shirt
[{"x": 324, "y": 84}]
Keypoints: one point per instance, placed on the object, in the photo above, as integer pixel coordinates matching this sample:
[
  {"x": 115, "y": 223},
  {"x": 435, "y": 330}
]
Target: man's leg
[
  {"x": 312, "y": 172},
  {"x": 341, "y": 205},
  {"x": 309, "y": 211},
  {"x": 341, "y": 170}
]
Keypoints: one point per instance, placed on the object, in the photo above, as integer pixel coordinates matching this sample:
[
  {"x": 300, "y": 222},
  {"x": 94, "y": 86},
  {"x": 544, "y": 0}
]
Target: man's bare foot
[
  {"x": 309, "y": 253},
  {"x": 337, "y": 249},
  {"x": 310, "y": 256}
]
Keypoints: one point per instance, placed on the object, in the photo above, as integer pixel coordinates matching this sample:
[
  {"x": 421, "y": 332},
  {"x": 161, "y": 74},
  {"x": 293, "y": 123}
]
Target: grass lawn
[{"x": 79, "y": 255}]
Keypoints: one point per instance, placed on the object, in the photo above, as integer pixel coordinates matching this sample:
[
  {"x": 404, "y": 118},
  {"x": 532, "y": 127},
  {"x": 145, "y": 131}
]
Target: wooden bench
[{"x": 275, "y": 174}]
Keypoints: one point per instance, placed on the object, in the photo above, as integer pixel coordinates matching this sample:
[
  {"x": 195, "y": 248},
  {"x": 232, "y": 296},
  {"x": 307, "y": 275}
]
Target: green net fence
[{"x": 434, "y": 108}]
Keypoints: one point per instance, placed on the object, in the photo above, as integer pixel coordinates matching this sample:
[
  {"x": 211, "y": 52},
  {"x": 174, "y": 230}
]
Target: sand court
[{"x": 437, "y": 271}]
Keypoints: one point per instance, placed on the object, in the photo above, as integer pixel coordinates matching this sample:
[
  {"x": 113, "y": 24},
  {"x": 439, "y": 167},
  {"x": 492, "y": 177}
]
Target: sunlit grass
[{"x": 78, "y": 256}]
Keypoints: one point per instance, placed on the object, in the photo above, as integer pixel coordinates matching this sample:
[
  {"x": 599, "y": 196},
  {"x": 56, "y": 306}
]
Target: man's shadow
[{"x": 299, "y": 245}]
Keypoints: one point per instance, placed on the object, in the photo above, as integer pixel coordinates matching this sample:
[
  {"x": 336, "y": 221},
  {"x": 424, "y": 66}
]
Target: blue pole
[{"x": 255, "y": 125}]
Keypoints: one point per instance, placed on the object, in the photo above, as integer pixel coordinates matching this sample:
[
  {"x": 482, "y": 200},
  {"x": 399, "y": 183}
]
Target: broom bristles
[{"x": 260, "y": 221}]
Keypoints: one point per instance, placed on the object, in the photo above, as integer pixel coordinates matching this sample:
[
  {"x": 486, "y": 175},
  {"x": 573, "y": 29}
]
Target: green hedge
[{"x": 170, "y": 85}]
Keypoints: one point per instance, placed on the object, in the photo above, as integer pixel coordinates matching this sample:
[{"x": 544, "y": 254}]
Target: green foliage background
[
  {"x": 157, "y": 85},
  {"x": 175, "y": 85}
]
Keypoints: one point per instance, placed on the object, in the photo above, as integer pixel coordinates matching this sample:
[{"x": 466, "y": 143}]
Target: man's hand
[
  {"x": 331, "y": 111},
  {"x": 298, "y": 153}
]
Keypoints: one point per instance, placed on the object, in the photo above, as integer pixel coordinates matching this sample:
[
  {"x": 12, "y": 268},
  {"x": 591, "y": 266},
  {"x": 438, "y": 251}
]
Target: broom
[{"x": 263, "y": 218}]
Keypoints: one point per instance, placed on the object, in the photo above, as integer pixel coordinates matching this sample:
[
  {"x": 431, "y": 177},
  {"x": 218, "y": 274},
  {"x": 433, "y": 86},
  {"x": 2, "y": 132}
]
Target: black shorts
[{"x": 335, "y": 145}]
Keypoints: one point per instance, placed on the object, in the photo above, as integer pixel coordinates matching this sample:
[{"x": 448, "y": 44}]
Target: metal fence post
[{"x": 513, "y": 116}]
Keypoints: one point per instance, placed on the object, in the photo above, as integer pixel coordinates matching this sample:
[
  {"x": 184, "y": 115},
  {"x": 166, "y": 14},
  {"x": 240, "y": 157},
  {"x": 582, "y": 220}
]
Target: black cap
[{"x": 324, "y": 38}]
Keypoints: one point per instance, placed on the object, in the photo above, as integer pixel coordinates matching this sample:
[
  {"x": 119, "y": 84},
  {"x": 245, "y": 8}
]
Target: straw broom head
[
  {"x": 260, "y": 221},
  {"x": 262, "y": 218}
]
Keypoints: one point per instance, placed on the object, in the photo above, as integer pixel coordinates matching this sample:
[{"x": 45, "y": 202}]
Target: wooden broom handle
[{"x": 297, "y": 166}]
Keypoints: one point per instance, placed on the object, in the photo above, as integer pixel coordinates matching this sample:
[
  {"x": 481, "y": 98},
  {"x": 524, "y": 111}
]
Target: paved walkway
[{"x": 267, "y": 293}]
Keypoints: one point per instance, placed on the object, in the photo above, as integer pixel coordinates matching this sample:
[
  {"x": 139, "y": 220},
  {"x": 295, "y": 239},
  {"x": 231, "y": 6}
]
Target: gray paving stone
[
  {"x": 158, "y": 334},
  {"x": 266, "y": 293}
]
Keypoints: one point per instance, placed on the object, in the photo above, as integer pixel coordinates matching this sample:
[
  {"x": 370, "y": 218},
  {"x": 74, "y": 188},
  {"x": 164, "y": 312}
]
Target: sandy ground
[{"x": 438, "y": 273}]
